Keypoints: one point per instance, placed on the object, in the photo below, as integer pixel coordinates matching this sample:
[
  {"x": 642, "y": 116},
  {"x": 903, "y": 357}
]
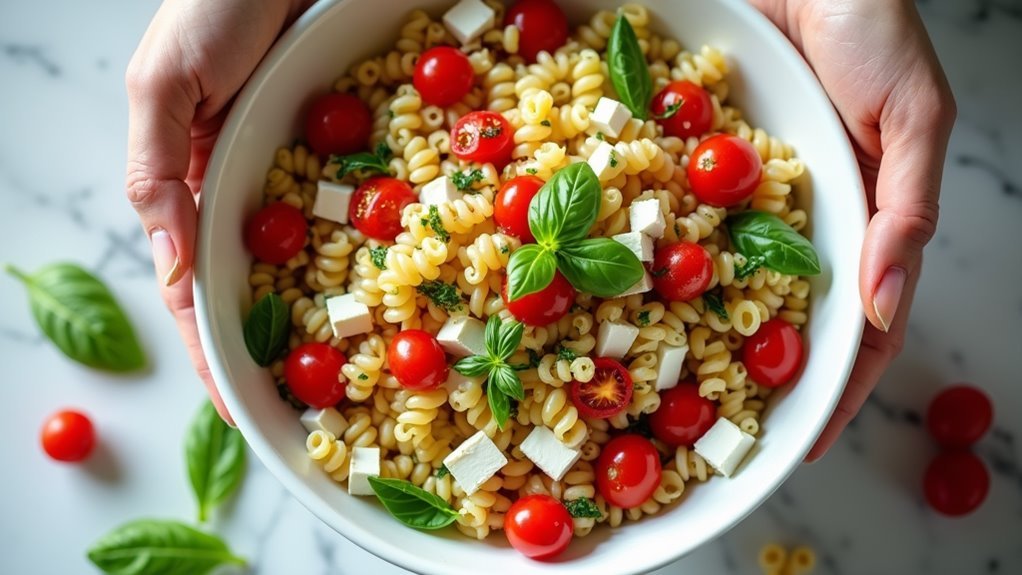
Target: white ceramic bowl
[{"x": 776, "y": 90}]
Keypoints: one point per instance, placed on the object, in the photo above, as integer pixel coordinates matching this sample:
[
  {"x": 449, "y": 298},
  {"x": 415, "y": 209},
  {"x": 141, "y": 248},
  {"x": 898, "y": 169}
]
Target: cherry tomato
[
  {"x": 682, "y": 271},
  {"x": 724, "y": 171},
  {"x": 443, "y": 76},
  {"x": 484, "y": 137},
  {"x": 956, "y": 483},
  {"x": 338, "y": 124},
  {"x": 376, "y": 207},
  {"x": 689, "y": 107},
  {"x": 68, "y": 436},
  {"x": 538, "y": 526},
  {"x": 773, "y": 354},
  {"x": 417, "y": 360},
  {"x": 959, "y": 416},
  {"x": 628, "y": 471},
  {"x": 683, "y": 416},
  {"x": 511, "y": 209},
  {"x": 607, "y": 394},
  {"x": 542, "y": 27},
  {"x": 545, "y": 306},
  {"x": 313, "y": 373},
  {"x": 276, "y": 233}
]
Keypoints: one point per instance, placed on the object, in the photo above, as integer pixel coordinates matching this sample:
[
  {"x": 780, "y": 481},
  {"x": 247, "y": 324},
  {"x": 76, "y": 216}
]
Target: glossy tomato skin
[
  {"x": 773, "y": 354},
  {"x": 68, "y": 436},
  {"x": 376, "y": 207},
  {"x": 313, "y": 373},
  {"x": 956, "y": 483},
  {"x": 959, "y": 416},
  {"x": 483, "y": 137},
  {"x": 682, "y": 271},
  {"x": 417, "y": 360},
  {"x": 694, "y": 116},
  {"x": 542, "y": 25},
  {"x": 607, "y": 394},
  {"x": 538, "y": 526},
  {"x": 724, "y": 171},
  {"x": 443, "y": 76},
  {"x": 511, "y": 208},
  {"x": 628, "y": 471},
  {"x": 276, "y": 233},
  {"x": 683, "y": 416},
  {"x": 544, "y": 307},
  {"x": 338, "y": 124}
]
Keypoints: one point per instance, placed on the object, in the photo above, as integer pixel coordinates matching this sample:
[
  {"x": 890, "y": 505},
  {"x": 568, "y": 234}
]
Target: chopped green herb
[
  {"x": 751, "y": 266},
  {"x": 505, "y": 249},
  {"x": 659, "y": 273},
  {"x": 641, "y": 426},
  {"x": 715, "y": 303},
  {"x": 566, "y": 353},
  {"x": 532, "y": 171},
  {"x": 436, "y": 224},
  {"x": 670, "y": 112},
  {"x": 442, "y": 472},
  {"x": 383, "y": 151},
  {"x": 643, "y": 318},
  {"x": 583, "y": 507},
  {"x": 379, "y": 257},
  {"x": 443, "y": 295},
  {"x": 363, "y": 377},
  {"x": 613, "y": 160},
  {"x": 492, "y": 131},
  {"x": 390, "y": 113},
  {"x": 601, "y": 137},
  {"x": 465, "y": 181},
  {"x": 534, "y": 358},
  {"x": 545, "y": 123}
]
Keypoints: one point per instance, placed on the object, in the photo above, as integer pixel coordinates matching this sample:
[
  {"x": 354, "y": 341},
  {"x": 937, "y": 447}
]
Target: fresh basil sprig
[
  {"x": 503, "y": 382},
  {"x": 266, "y": 329},
  {"x": 411, "y": 505},
  {"x": 216, "y": 459},
  {"x": 165, "y": 547},
  {"x": 628, "y": 70},
  {"x": 377, "y": 162},
  {"x": 765, "y": 237}
]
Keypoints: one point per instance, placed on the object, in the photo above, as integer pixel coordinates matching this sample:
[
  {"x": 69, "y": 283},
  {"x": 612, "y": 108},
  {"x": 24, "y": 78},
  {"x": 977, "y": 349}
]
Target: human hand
[
  {"x": 193, "y": 59},
  {"x": 879, "y": 68}
]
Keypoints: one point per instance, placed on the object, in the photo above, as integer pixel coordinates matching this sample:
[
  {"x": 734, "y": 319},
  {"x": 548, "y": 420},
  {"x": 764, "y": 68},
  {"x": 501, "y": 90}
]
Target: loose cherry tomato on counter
[
  {"x": 276, "y": 233},
  {"x": 511, "y": 208},
  {"x": 724, "y": 171},
  {"x": 959, "y": 416},
  {"x": 607, "y": 394},
  {"x": 683, "y": 109},
  {"x": 628, "y": 471},
  {"x": 376, "y": 207},
  {"x": 538, "y": 526},
  {"x": 338, "y": 124},
  {"x": 542, "y": 27},
  {"x": 443, "y": 76},
  {"x": 313, "y": 373},
  {"x": 417, "y": 360},
  {"x": 545, "y": 306},
  {"x": 773, "y": 354},
  {"x": 683, "y": 416},
  {"x": 484, "y": 137},
  {"x": 682, "y": 271},
  {"x": 68, "y": 435},
  {"x": 956, "y": 483}
]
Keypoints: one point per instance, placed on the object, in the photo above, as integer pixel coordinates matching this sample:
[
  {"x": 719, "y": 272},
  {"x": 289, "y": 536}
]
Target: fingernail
[
  {"x": 168, "y": 266},
  {"x": 888, "y": 296}
]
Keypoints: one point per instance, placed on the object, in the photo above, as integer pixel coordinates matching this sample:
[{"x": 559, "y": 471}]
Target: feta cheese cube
[
  {"x": 468, "y": 19},
  {"x": 348, "y": 317},
  {"x": 440, "y": 191},
  {"x": 669, "y": 362},
  {"x": 642, "y": 286},
  {"x": 474, "y": 462},
  {"x": 615, "y": 339},
  {"x": 463, "y": 336},
  {"x": 329, "y": 420},
  {"x": 548, "y": 453},
  {"x": 640, "y": 244},
  {"x": 610, "y": 117},
  {"x": 365, "y": 463},
  {"x": 332, "y": 201},
  {"x": 605, "y": 162},
  {"x": 724, "y": 446},
  {"x": 645, "y": 217}
]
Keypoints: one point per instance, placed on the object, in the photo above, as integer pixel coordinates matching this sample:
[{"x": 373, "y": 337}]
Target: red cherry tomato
[
  {"x": 511, "y": 209},
  {"x": 338, "y": 124},
  {"x": 443, "y": 76},
  {"x": 607, "y": 394},
  {"x": 68, "y": 436},
  {"x": 483, "y": 137},
  {"x": 628, "y": 471},
  {"x": 417, "y": 360},
  {"x": 959, "y": 416},
  {"x": 689, "y": 107},
  {"x": 545, "y": 306},
  {"x": 773, "y": 354},
  {"x": 542, "y": 27},
  {"x": 276, "y": 233},
  {"x": 313, "y": 373},
  {"x": 683, "y": 416},
  {"x": 724, "y": 171},
  {"x": 376, "y": 207},
  {"x": 538, "y": 526},
  {"x": 956, "y": 483},
  {"x": 682, "y": 271}
]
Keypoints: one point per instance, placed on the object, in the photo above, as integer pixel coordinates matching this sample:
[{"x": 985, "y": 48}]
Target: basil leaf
[
  {"x": 566, "y": 207},
  {"x": 363, "y": 162},
  {"x": 583, "y": 507},
  {"x": 628, "y": 70},
  {"x": 215, "y": 454},
  {"x": 267, "y": 328},
  {"x": 600, "y": 266},
  {"x": 500, "y": 405},
  {"x": 510, "y": 338},
  {"x": 715, "y": 303},
  {"x": 411, "y": 505},
  {"x": 474, "y": 366},
  {"x": 491, "y": 339},
  {"x": 751, "y": 266},
  {"x": 782, "y": 249},
  {"x": 80, "y": 316},
  {"x": 507, "y": 382},
  {"x": 160, "y": 547},
  {"x": 530, "y": 269}
]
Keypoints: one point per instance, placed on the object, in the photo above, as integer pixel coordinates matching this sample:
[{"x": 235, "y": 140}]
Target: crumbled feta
[
  {"x": 645, "y": 217},
  {"x": 474, "y": 462},
  {"x": 724, "y": 446},
  {"x": 669, "y": 362},
  {"x": 440, "y": 191},
  {"x": 365, "y": 463},
  {"x": 605, "y": 162},
  {"x": 548, "y": 453},
  {"x": 642, "y": 286},
  {"x": 610, "y": 117},
  {"x": 348, "y": 317},
  {"x": 329, "y": 420},
  {"x": 468, "y": 19},
  {"x": 615, "y": 339},
  {"x": 640, "y": 244},
  {"x": 332, "y": 201},
  {"x": 463, "y": 336}
]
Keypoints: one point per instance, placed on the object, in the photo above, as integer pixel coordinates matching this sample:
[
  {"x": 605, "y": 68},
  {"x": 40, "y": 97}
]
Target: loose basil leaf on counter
[
  {"x": 215, "y": 454},
  {"x": 80, "y": 316},
  {"x": 782, "y": 249},
  {"x": 165, "y": 547},
  {"x": 600, "y": 266},
  {"x": 530, "y": 269},
  {"x": 266, "y": 329},
  {"x": 628, "y": 70},
  {"x": 566, "y": 207},
  {"x": 411, "y": 505}
]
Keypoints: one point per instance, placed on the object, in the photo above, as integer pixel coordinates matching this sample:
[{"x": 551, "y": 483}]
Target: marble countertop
[{"x": 63, "y": 114}]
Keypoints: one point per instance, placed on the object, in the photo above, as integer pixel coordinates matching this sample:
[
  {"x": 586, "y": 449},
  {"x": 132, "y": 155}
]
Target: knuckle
[
  {"x": 141, "y": 189},
  {"x": 921, "y": 224}
]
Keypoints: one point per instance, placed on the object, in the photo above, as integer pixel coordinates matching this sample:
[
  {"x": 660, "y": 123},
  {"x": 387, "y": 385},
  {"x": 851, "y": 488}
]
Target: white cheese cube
[
  {"x": 605, "y": 162},
  {"x": 640, "y": 244},
  {"x": 474, "y": 462},
  {"x": 642, "y": 286},
  {"x": 669, "y": 362},
  {"x": 440, "y": 191},
  {"x": 347, "y": 316},
  {"x": 645, "y": 217},
  {"x": 329, "y": 420},
  {"x": 724, "y": 446},
  {"x": 615, "y": 339},
  {"x": 463, "y": 336},
  {"x": 610, "y": 117},
  {"x": 548, "y": 453},
  {"x": 332, "y": 201},
  {"x": 468, "y": 19},
  {"x": 365, "y": 463}
]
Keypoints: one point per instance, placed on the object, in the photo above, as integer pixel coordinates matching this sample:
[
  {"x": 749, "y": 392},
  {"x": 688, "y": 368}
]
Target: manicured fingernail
[
  {"x": 168, "y": 266},
  {"x": 888, "y": 296}
]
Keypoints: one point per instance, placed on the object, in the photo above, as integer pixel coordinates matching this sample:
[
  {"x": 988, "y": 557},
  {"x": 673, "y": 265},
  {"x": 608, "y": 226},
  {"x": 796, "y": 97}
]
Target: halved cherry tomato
[
  {"x": 338, "y": 124},
  {"x": 313, "y": 373},
  {"x": 443, "y": 76},
  {"x": 773, "y": 354},
  {"x": 628, "y": 471},
  {"x": 276, "y": 233},
  {"x": 683, "y": 416},
  {"x": 68, "y": 436},
  {"x": 417, "y": 360},
  {"x": 542, "y": 26},
  {"x": 607, "y": 394},
  {"x": 956, "y": 483},
  {"x": 376, "y": 207},
  {"x": 545, "y": 306},
  {"x": 959, "y": 416},
  {"x": 511, "y": 209},
  {"x": 484, "y": 137},
  {"x": 683, "y": 109},
  {"x": 538, "y": 526},
  {"x": 682, "y": 271},
  {"x": 724, "y": 171}
]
